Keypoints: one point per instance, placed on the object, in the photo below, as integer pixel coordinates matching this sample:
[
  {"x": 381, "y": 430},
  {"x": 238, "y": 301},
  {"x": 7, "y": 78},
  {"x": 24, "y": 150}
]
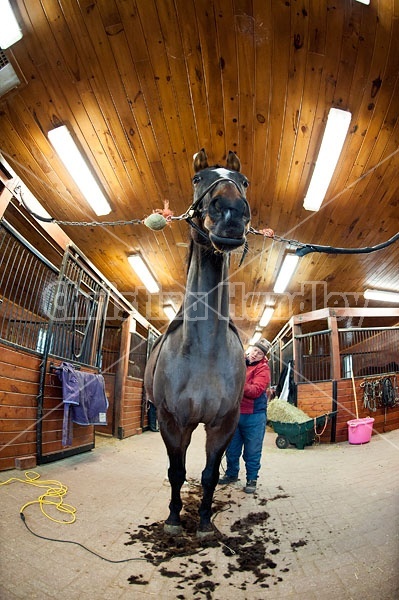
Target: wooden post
[
  {"x": 120, "y": 377},
  {"x": 296, "y": 354},
  {"x": 334, "y": 350}
]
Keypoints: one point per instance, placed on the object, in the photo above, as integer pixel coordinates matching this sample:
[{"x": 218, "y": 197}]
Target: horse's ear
[
  {"x": 233, "y": 162},
  {"x": 200, "y": 161}
]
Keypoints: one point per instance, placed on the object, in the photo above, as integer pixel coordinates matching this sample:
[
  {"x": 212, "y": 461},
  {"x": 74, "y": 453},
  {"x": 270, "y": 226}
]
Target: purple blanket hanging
[{"x": 85, "y": 402}]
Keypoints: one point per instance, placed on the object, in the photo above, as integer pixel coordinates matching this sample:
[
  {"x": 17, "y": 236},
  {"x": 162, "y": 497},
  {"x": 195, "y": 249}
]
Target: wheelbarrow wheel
[{"x": 282, "y": 442}]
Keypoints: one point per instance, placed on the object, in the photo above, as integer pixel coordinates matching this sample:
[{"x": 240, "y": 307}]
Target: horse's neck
[{"x": 206, "y": 310}]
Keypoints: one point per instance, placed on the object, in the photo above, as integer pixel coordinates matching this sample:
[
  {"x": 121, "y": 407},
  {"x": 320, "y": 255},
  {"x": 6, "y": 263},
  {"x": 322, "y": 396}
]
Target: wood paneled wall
[
  {"x": 19, "y": 387},
  {"x": 316, "y": 399},
  {"x": 131, "y": 408}
]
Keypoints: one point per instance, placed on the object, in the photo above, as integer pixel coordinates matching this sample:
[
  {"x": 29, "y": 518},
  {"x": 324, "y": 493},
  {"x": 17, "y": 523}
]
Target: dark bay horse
[{"x": 196, "y": 371}]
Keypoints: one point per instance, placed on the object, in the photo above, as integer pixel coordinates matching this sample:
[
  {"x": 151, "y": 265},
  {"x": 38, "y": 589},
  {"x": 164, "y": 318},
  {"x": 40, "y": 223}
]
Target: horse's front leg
[
  {"x": 176, "y": 442},
  {"x": 216, "y": 443},
  {"x": 176, "y": 475}
]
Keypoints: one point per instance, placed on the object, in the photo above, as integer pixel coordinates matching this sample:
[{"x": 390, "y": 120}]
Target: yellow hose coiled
[{"x": 53, "y": 496}]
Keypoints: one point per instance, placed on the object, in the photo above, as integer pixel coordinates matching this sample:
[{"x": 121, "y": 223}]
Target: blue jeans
[{"x": 248, "y": 435}]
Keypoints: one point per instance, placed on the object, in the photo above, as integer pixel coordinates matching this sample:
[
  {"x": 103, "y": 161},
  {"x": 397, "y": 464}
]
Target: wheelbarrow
[{"x": 300, "y": 434}]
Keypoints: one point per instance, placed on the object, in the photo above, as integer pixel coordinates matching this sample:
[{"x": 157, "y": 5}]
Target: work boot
[
  {"x": 250, "y": 487},
  {"x": 227, "y": 479}
]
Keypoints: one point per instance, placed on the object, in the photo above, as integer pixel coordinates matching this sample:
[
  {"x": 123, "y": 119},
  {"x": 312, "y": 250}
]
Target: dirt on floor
[{"x": 251, "y": 548}]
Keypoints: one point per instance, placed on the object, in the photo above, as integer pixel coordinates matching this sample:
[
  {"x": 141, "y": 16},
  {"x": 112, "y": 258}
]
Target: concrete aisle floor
[{"x": 333, "y": 508}]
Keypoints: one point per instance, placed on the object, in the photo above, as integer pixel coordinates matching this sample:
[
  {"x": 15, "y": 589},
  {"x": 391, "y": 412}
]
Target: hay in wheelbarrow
[
  {"x": 293, "y": 425},
  {"x": 284, "y": 412}
]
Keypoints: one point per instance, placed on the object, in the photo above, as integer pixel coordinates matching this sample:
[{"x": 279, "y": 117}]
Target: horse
[{"x": 196, "y": 370}]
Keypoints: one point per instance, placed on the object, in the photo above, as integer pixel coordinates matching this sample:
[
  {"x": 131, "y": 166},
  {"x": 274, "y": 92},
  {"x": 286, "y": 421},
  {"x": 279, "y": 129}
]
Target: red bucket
[{"x": 360, "y": 430}]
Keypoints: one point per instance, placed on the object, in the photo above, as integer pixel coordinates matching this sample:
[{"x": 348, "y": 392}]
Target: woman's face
[{"x": 254, "y": 354}]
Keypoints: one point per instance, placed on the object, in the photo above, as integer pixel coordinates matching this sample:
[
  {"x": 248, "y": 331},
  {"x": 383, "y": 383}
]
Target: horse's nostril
[{"x": 228, "y": 209}]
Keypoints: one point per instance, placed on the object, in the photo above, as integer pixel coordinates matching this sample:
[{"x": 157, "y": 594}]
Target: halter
[{"x": 193, "y": 211}]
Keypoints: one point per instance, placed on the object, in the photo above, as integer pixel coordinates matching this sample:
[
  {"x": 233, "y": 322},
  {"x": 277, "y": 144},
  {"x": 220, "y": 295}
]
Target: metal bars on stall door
[{"x": 27, "y": 281}]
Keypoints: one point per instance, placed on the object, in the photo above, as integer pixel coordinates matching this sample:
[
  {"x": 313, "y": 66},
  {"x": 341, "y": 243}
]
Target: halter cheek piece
[{"x": 194, "y": 210}]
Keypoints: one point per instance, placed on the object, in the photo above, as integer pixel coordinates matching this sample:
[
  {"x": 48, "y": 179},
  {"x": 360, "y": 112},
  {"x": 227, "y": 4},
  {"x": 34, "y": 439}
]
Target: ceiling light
[
  {"x": 10, "y": 31},
  {"x": 169, "y": 311},
  {"x": 333, "y": 139},
  {"x": 364, "y": 1},
  {"x": 69, "y": 153},
  {"x": 381, "y": 295},
  {"x": 8, "y": 77},
  {"x": 266, "y": 316},
  {"x": 255, "y": 338},
  {"x": 143, "y": 273},
  {"x": 286, "y": 272}
]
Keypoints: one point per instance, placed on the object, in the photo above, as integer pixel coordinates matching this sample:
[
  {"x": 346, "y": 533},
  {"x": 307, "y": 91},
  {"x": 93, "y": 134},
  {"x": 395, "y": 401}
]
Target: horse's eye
[
  {"x": 245, "y": 183},
  {"x": 196, "y": 179}
]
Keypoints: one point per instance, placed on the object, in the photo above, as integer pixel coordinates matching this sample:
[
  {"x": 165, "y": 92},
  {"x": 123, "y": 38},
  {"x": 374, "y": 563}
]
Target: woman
[{"x": 248, "y": 437}]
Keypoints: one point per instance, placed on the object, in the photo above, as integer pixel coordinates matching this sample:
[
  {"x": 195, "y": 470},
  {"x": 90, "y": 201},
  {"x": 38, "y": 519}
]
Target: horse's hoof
[
  {"x": 173, "y": 529},
  {"x": 205, "y": 533}
]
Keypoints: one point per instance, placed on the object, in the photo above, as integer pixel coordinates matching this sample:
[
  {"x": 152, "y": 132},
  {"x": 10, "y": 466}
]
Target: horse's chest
[
  {"x": 204, "y": 379},
  {"x": 204, "y": 387}
]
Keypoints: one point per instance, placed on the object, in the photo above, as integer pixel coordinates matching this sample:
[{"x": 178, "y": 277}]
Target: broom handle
[{"x": 354, "y": 393}]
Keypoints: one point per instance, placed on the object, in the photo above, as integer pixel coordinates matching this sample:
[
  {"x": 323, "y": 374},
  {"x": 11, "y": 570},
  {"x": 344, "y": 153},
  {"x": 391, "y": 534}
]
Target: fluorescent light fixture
[
  {"x": 77, "y": 167},
  {"x": 143, "y": 273},
  {"x": 10, "y": 31},
  {"x": 8, "y": 77},
  {"x": 256, "y": 336},
  {"x": 266, "y": 316},
  {"x": 381, "y": 295},
  {"x": 169, "y": 311},
  {"x": 333, "y": 140},
  {"x": 364, "y": 1},
  {"x": 286, "y": 272}
]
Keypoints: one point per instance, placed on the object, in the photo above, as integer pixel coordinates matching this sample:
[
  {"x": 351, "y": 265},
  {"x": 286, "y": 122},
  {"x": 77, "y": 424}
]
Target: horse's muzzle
[
  {"x": 225, "y": 244},
  {"x": 227, "y": 220}
]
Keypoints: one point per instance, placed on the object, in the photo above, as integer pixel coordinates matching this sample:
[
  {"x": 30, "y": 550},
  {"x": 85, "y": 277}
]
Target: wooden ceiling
[{"x": 144, "y": 84}]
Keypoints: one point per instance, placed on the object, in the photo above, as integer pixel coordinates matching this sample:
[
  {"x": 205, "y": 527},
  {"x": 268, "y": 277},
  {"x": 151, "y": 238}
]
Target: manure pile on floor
[{"x": 251, "y": 549}]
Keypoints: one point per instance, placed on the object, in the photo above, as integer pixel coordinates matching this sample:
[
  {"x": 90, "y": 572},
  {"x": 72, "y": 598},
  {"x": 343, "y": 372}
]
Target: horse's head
[{"x": 220, "y": 203}]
